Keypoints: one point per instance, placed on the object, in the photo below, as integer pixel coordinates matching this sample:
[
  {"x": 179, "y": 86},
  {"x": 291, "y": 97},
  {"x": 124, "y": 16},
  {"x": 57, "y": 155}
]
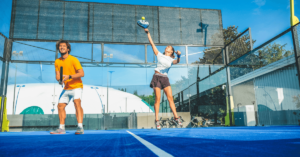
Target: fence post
[
  {"x": 228, "y": 87},
  {"x": 4, "y": 79},
  {"x": 296, "y": 49}
]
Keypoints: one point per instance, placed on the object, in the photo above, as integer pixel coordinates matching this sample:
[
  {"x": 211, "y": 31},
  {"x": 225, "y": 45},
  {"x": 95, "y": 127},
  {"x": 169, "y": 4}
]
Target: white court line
[{"x": 152, "y": 147}]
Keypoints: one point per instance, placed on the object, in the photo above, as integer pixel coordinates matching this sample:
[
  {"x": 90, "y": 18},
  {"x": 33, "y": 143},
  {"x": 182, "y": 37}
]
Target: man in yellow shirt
[{"x": 72, "y": 73}]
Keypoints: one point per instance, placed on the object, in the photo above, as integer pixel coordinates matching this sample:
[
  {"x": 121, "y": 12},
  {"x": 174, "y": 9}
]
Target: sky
[{"x": 266, "y": 18}]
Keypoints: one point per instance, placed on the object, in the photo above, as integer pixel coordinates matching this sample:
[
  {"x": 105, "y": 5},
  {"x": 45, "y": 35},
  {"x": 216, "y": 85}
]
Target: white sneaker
[
  {"x": 157, "y": 124},
  {"x": 178, "y": 122}
]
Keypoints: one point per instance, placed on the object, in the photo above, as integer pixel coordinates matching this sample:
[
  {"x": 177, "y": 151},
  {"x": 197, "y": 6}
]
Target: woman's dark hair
[
  {"x": 172, "y": 50},
  {"x": 63, "y": 41}
]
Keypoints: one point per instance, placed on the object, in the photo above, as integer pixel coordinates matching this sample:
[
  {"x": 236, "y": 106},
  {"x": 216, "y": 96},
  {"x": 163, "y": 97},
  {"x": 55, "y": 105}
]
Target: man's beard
[{"x": 62, "y": 53}]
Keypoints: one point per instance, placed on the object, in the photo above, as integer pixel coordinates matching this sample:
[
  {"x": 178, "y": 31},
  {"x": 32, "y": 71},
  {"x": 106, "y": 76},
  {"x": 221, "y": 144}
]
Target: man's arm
[
  {"x": 57, "y": 75},
  {"x": 79, "y": 74}
]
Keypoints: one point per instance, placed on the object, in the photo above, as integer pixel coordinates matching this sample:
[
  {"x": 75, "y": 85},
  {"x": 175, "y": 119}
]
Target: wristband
[
  {"x": 70, "y": 77},
  {"x": 178, "y": 56}
]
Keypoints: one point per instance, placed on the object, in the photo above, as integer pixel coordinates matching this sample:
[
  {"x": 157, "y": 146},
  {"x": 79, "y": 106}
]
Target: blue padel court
[
  {"x": 216, "y": 141},
  {"x": 105, "y": 76}
]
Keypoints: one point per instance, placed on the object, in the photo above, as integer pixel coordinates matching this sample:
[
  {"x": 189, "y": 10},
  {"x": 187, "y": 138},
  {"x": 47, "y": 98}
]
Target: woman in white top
[{"x": 160, "y": 78}]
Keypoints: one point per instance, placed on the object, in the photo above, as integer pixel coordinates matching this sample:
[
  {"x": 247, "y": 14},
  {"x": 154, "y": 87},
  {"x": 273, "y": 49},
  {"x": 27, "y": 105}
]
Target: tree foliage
[
  {"x": 150, "y": 99},
  {"x": 264, "y": 56},
  {"x": 236, "y": 49}
]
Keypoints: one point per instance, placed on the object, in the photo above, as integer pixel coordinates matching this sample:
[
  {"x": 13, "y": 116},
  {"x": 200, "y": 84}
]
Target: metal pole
[
  {"x": 296, "y": 49},
  {"x": 4, "y": 77},
  {"x": 14, "y": 103},
  {"x": 17, "y": 98},
  {"x": 146, "y": 53},
  {"x": 186, "y": 55},
  {"x": 228, "y": 87},
  {"x": 107, "y": 88},
  {"x": 100, "y": 100},
  {"x": 250, "y": 37},
  {"x": 110, "y": 78},
  {"x": 4, "y": 89}
]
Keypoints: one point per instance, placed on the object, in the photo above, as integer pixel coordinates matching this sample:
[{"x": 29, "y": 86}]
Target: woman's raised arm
[{"x": 151, "y": 42}]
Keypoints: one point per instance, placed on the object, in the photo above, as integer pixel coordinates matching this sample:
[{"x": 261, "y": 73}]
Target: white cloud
[
  {"x": 256, "y": 11},
  {"x": 260, "y": 3}
]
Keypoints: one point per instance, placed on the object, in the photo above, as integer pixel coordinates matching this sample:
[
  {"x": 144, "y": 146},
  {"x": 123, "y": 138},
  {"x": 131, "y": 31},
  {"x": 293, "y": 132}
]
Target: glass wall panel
[
  {"x": 151, "y": 58},
  {"x": 212, "y": 97},
  {"x": 265, "y": 85},
  {"x": 196, "y": 54},
  {"x": 33, "y": 51},
  {"x": 45, "y": 51},
  {"x": 205, "y": 55},
  {"x": 281, "y": 48},
  {"x": 214, "y": 68},
  {"x": 97, "y": 53},
  {"x": 239, "y": 47},
  {"x": 83, "y": 52},
  {"x": 94, "y": 89},
  {"x": 127, "y": 89},
  {"x": 182, "y": 49},
  {"x": 124, "y": 53},
  {"x": 32, "y": 88}
]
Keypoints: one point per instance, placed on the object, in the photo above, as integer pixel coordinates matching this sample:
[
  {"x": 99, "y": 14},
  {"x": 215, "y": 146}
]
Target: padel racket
[
  {"x": 61, "y": 77},
  {"x": 142, "y": 23}
]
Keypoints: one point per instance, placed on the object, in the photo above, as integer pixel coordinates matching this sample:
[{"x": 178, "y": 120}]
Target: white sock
[
  {"x": 62, "y": 126},
  {"x": 80, "y": 125}
]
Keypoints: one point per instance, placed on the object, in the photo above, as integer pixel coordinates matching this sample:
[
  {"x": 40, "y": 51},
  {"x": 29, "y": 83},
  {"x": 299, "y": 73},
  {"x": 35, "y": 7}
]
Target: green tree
[
  {"x": 150, "y": 99},
  {"x": 266, "y": 55},
  {"x": 236, "y": 49}
]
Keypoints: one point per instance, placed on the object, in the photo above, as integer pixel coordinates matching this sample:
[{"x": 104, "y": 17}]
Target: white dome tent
[{"x": 94, "y": 99}]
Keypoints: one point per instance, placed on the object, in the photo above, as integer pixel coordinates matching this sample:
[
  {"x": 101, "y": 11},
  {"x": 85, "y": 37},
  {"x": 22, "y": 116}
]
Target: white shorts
[{"x": 67, "y": 95}]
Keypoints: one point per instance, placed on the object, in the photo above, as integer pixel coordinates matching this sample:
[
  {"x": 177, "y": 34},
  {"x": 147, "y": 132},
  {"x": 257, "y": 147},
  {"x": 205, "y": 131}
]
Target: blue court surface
[{"x": 215, "y": 141}]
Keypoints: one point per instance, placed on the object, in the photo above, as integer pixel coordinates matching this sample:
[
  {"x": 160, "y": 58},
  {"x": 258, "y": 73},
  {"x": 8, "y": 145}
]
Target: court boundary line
[{"x": 153, "y": 148}]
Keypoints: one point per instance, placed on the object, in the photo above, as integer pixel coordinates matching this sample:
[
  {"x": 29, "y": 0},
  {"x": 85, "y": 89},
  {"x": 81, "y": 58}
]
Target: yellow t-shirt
[{"x": 70, "y": 66}]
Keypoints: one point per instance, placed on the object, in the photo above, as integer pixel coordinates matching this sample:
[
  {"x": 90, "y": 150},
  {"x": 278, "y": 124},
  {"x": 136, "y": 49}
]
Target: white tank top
[{"x": 164, "y": 63}]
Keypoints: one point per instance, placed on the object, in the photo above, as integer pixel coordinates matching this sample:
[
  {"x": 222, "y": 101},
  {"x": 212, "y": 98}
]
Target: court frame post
[
  {"x": 4, "y": 76},
  {"x": 228, "y": 84},
  {"x": 296, "y": 49}
]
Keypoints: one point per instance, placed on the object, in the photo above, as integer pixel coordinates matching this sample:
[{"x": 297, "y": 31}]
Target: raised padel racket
[{"x": 142, "y": 23}]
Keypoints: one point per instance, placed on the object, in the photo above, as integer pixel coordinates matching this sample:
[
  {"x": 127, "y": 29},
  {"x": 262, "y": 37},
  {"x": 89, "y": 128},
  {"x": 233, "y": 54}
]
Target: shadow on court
[{"x": 233, "y": 141}]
